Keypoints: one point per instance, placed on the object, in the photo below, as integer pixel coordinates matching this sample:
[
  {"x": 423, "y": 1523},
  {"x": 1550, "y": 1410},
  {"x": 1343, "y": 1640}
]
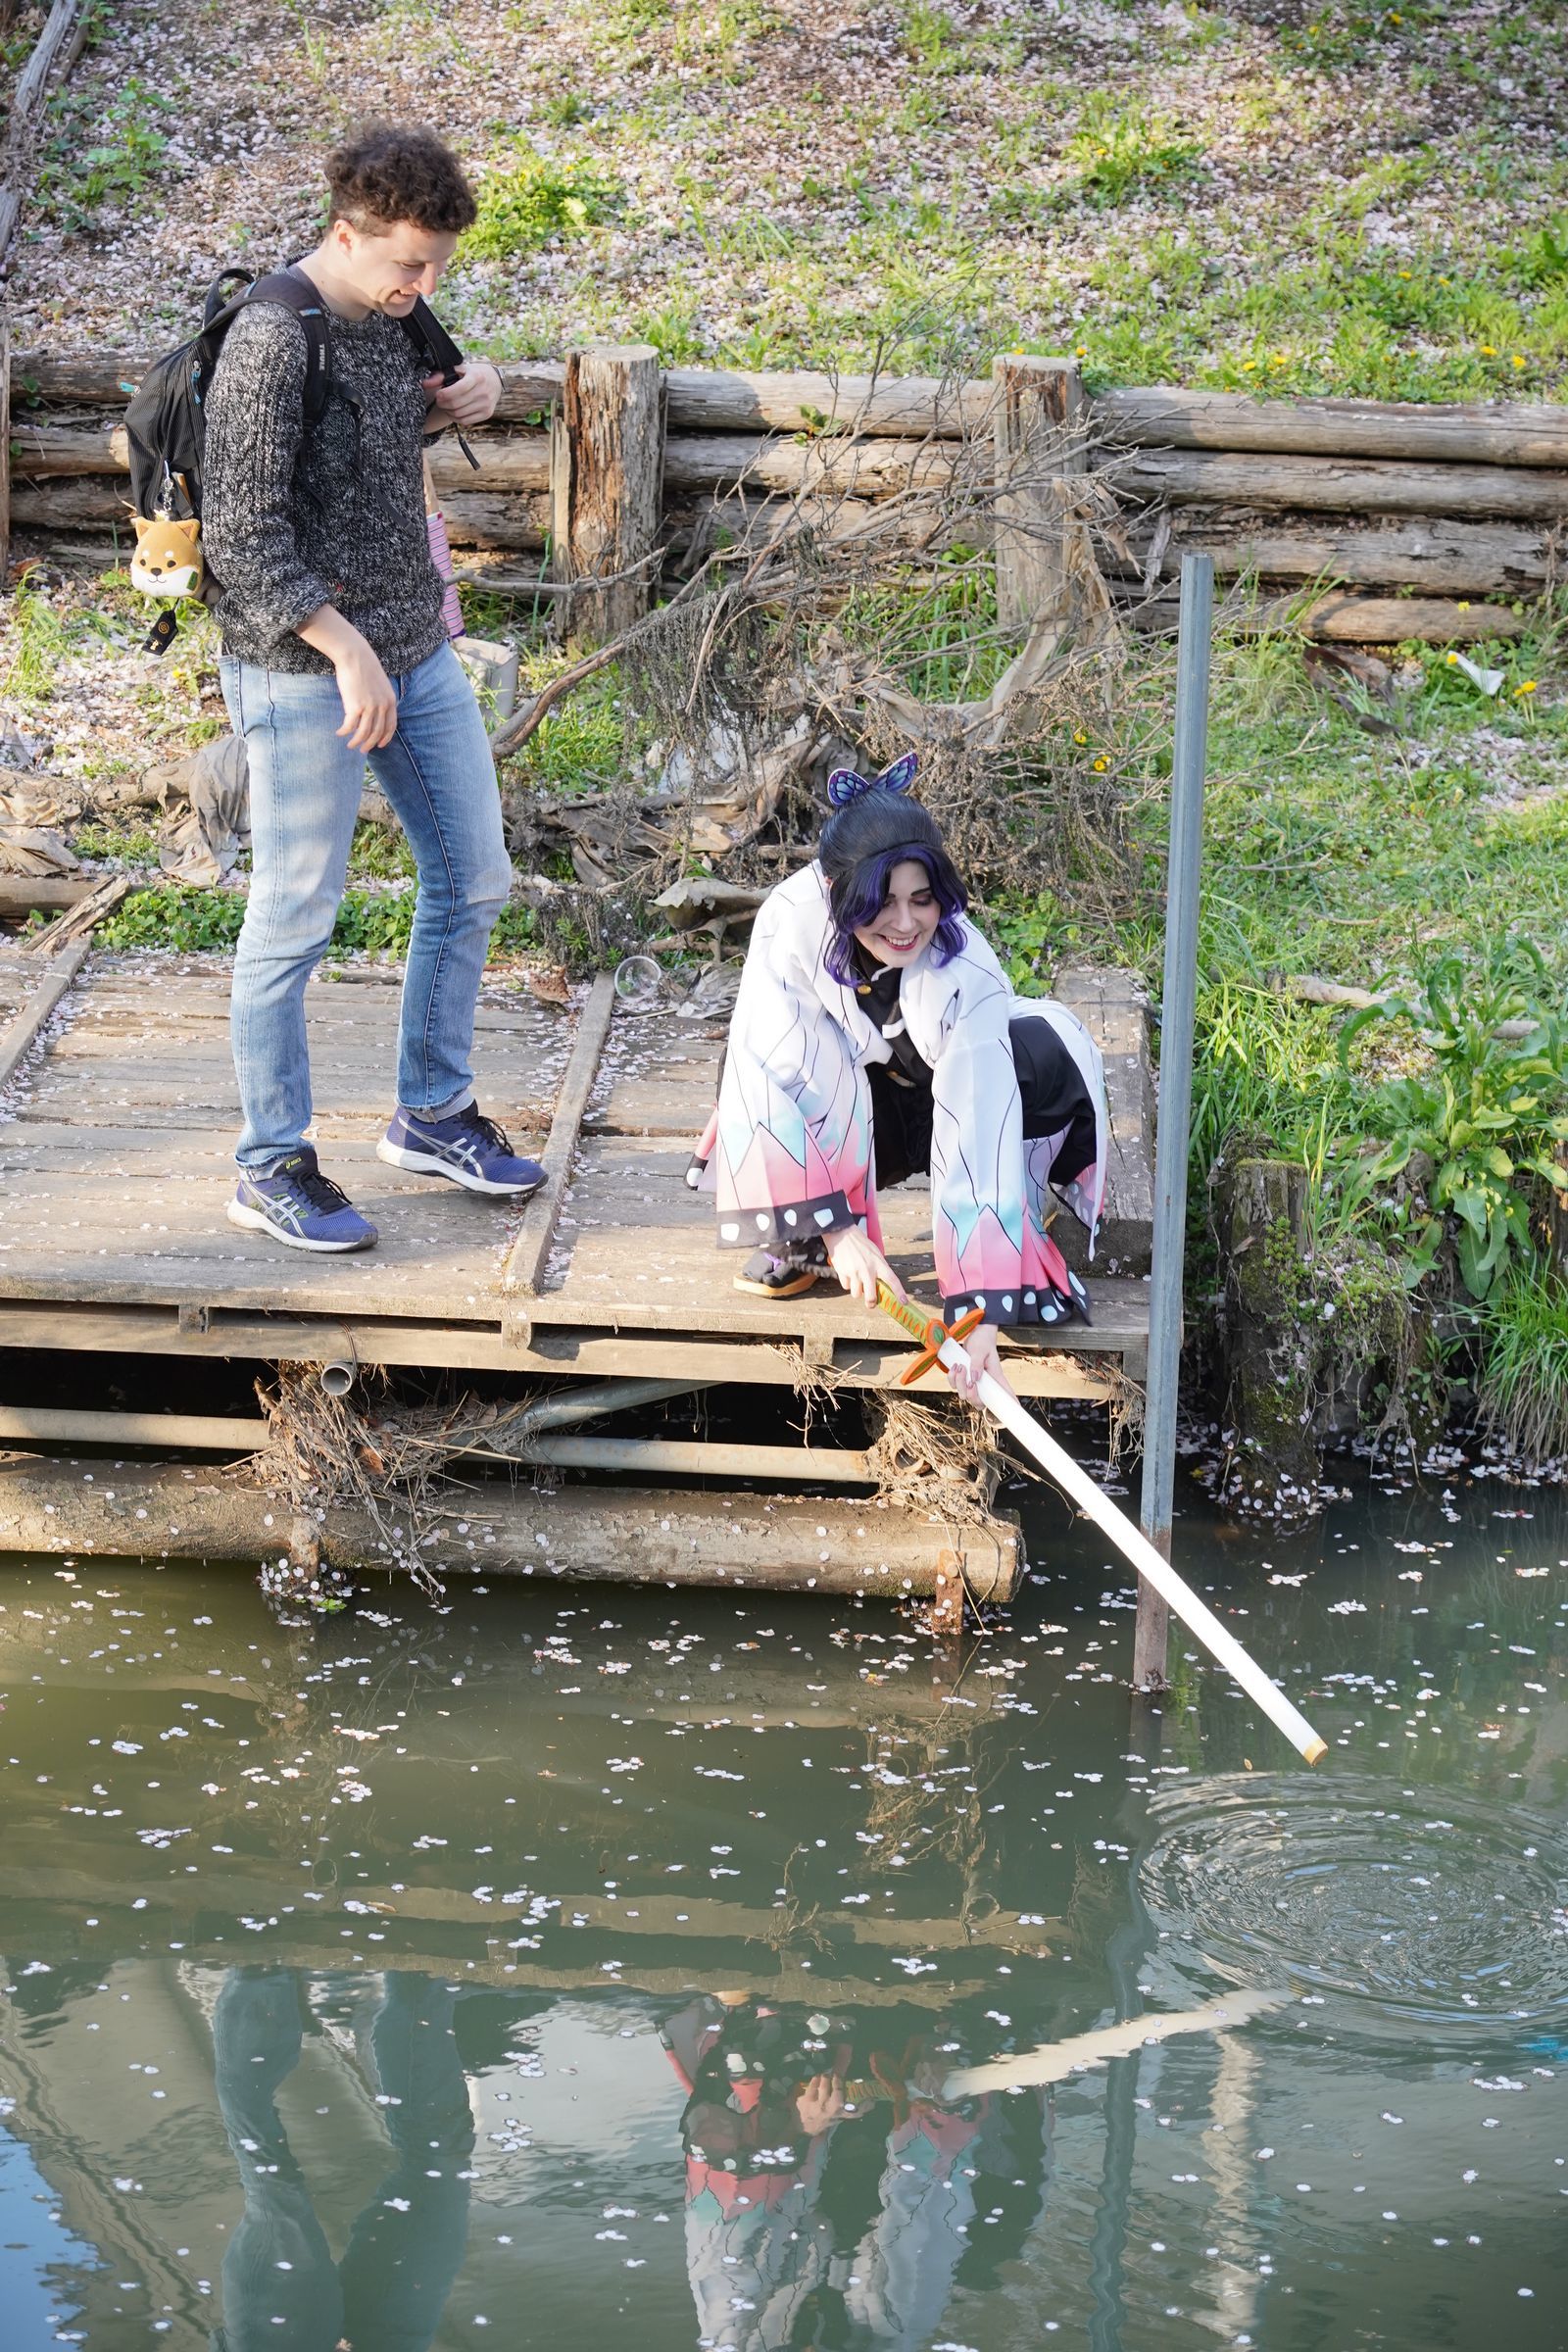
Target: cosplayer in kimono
[{"x": 875, "y": 1036}]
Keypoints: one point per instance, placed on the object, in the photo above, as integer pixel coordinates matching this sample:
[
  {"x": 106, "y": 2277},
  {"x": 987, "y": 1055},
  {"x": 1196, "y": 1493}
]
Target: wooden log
[
  {"x": 606, "y": 484},
  {"x": 103, "y": 379},
  {"x": 1477, "y": 433},
  {"x": 1459, "y": 558},
  {"x": 1392, "y": 619},
  {"x": 632, "y": 1535},
  {"x": 1037, "y": 425},
  {"x": 5, "y": 440},
  {"x": 26, "y": 101},
  {"x": 1345, "y": 619},
  {"x": 733, "y": 462},
  {"x": 21, "y": 894},
  {"x": 507, "y": 463},
  {"x": 705, "y": 400},
  {"x": 1340, "y": 485},
  {"x": 1153, "y": 415},
  {"x": 520, "y": 524},
  {"x": 72, "y": 502}
]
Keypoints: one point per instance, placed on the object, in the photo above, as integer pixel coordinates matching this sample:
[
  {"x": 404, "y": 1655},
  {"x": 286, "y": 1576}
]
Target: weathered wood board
[{"x": 116, "y": 1143}]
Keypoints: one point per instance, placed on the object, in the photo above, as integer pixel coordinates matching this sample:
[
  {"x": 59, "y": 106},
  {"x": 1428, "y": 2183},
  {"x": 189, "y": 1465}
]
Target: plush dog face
[{"x": 169, "y": 557}]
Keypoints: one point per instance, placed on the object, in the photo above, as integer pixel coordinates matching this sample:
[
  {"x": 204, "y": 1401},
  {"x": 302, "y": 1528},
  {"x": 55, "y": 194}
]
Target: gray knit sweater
[{"x": 293, "y": 520}]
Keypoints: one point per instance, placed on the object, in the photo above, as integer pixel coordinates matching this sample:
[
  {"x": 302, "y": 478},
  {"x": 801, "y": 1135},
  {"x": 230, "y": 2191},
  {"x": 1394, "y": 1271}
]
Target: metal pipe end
[{"x": 338, "y": 1378}]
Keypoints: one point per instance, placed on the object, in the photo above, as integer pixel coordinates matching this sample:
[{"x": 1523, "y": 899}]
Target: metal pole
[{"x": 1177, "y": 1020}]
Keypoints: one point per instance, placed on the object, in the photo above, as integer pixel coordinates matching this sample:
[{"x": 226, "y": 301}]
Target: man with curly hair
[{"x": 335, "y": 651}]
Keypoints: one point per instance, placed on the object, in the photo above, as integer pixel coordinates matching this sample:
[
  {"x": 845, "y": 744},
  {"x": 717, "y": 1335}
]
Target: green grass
[
  {"x": 1523, "y": 1382},
  {"x": 369, "y": 922}
]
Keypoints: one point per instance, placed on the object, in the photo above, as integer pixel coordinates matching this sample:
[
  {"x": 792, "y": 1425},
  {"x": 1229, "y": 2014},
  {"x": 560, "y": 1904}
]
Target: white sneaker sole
[
  {"x": 417, "y": 1164},
  {"x": 252, "y": 1220}
]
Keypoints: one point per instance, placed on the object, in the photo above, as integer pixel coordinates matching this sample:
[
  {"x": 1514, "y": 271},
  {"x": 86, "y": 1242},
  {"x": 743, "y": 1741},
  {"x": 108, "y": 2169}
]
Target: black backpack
[{"x": 166, "y": 423}]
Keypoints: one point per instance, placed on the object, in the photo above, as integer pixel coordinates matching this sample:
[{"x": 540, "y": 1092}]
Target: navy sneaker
[
  {"x": 300, "y": 1207},
  {"x": 468, "y": 1148}
]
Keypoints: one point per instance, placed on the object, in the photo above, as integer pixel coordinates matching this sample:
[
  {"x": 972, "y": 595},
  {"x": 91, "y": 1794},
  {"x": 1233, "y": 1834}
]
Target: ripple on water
[{"x": 1428, "y": 1911}]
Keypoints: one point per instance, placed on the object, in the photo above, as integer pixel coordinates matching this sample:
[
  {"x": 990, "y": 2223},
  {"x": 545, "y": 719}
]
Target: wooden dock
[
  {"x": 116, "y": 1144},
  {"x": 117, "y": 1132}
]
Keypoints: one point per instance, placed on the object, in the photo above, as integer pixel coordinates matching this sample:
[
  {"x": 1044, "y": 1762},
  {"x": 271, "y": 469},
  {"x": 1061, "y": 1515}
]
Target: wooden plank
[
  {"x": 1340, "y": 485},
  {"x": 564, "y": 1352},
  {"x": 203, "y": 1433},
  {"x": 53, "y": 983},
  {"x": 525, "y": 1261}
]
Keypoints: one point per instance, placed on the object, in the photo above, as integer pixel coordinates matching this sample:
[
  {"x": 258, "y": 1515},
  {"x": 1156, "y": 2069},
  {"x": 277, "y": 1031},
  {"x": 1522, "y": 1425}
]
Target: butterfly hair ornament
[{"x": 844, "y": 784}]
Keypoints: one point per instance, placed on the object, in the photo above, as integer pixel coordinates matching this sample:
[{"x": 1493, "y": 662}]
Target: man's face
[{"x": 391, "y": 268}]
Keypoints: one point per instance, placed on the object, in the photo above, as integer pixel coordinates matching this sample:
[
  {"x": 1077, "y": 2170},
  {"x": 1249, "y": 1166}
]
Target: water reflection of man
[
  {"x": 831, "y": 2197},
  {"x": 280, "y": 2283}
]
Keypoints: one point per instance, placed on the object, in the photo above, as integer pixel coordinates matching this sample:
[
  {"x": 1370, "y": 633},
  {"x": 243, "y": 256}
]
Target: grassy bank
[{"x": 1228, "y": 192}]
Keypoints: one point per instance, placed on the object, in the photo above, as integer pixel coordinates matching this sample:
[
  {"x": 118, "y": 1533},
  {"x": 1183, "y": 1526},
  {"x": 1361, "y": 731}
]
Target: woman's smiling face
[{"x": 908, "y": 919}]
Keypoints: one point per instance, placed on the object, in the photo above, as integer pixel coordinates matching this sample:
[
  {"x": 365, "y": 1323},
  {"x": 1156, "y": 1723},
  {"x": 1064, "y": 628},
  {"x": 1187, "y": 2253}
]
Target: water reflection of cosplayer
[
  {"x": 875, "y": 1036},
  {"x": 839, "y": 2209}
]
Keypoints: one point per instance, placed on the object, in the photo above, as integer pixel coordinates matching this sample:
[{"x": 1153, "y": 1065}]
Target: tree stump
[
  {"x": 606, "y": 481},
  {"x": 1273, "y": 1353}
]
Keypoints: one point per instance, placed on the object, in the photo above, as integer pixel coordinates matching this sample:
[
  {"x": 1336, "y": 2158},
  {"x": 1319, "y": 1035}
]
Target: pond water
[{"x": 570, "y": 1966}]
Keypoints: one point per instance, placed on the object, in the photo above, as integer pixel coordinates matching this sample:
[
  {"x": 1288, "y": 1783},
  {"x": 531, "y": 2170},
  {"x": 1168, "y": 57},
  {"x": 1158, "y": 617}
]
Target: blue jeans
[{"x": 305, "y": 783}]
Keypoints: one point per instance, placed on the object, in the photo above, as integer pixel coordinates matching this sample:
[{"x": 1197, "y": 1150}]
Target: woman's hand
[
  {"x": 470, "y": 400},
  {"x": 861, "y": 1265},
  {"x": 980, "y": 1353},
  {"x": 818, "y": 2103}
]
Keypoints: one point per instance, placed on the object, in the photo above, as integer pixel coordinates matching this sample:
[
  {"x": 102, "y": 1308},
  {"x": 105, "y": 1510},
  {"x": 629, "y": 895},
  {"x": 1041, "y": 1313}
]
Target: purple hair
[{"x": 861, "y": 846}]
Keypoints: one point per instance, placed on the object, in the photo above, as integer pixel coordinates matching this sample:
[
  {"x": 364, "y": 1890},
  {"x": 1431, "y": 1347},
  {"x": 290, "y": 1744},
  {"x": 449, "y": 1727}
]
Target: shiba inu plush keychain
[{"x": 168, "y": 562}]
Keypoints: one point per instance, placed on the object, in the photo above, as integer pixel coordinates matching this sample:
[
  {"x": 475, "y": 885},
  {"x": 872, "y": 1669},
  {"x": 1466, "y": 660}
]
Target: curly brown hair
[{"x": 388, "y": 172}]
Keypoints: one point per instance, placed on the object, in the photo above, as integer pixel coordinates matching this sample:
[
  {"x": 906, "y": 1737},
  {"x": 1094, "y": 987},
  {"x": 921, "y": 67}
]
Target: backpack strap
[
  {"x": 433, "y": 347},
  {"x": 435, "y": 353},
  {"x": 294, "y": 290}
]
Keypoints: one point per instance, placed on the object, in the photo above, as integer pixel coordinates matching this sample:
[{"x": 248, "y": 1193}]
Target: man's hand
[
  {"x": 980, "y": 1353},
  {"x": 470, "y": 400},
  {"x": 818, "y": 2103},
  {"x": 861, "y": 1265},
  {"x": 370, "y": 705}
]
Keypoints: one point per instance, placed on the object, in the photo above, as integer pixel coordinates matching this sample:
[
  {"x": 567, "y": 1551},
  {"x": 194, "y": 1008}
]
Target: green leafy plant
[
  {"x": 526, "y": 202},
  {"x": 1488, "y": 1110},
  {"x": 74, "y": 179}
]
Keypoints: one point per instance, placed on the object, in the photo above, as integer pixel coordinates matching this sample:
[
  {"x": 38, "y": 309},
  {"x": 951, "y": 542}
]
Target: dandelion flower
[
  {"x": 1518, "y": 359},
  {"x": 1100, "y": 766},
  {"x": 1489, "y": 350},
  {"x": 1079, "y": 736},
  {"x": 1526, "y": 686}
]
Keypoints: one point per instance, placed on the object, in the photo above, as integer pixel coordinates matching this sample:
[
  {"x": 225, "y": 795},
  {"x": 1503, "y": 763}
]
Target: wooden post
[
  {"x": 5, "y": 438},
  {"x": 605, "y": 480},
  {"x": 1038, "y": 423}
]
